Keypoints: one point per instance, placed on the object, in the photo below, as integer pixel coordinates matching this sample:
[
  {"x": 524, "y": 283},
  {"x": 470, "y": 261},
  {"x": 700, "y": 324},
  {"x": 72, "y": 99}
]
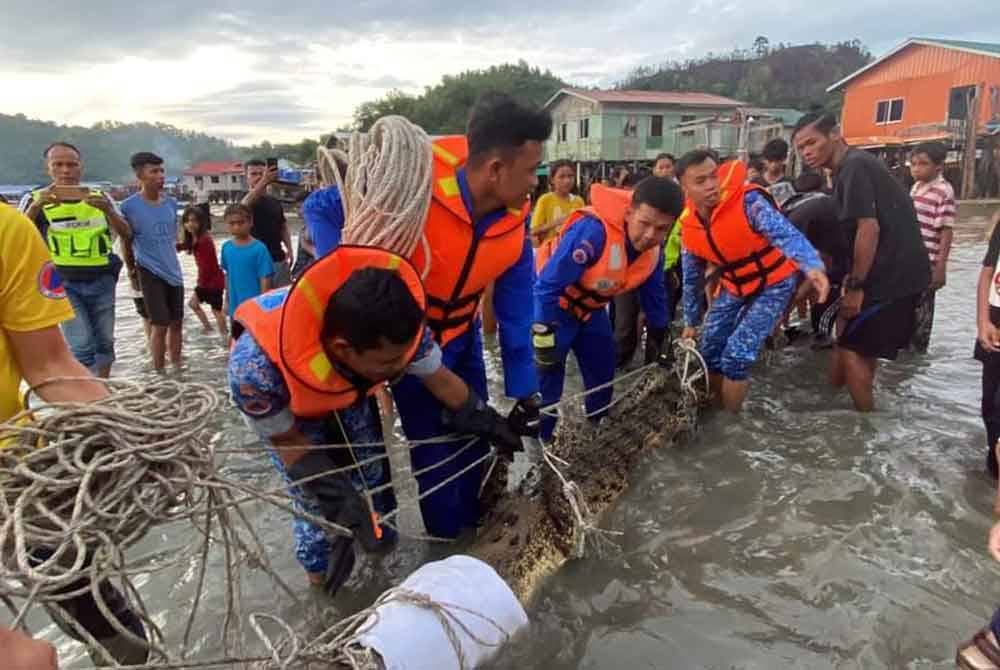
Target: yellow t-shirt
[
  {"x": 31, "y": 296},
  {"x": 551, "y": 207}
]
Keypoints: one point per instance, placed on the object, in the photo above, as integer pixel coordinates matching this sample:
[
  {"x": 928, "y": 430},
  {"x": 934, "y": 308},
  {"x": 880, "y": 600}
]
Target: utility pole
[{"x": 969, "y": 155}]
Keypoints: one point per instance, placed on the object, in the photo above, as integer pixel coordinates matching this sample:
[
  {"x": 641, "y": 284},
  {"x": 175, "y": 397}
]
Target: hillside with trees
[
  {"x": 765, "y": 75},
  {"x": 444, "y": 108},
  {"x": 106, "y": 147}
]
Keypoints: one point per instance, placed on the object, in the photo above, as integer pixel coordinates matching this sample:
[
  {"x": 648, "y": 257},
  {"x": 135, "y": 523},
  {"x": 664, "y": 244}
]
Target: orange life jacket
[
  {"x": 461, "y": 267},
  {"x": 746, "y": 262},
  {"x": 287, "y": 323},
  {"x": 612, "y": 273}
]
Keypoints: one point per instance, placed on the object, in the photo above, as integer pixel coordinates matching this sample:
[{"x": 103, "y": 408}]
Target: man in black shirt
[
  {"x": 269, "y": 224},
  {"x": 889, "y": 266},
  {"x": 773, "y": 177}
]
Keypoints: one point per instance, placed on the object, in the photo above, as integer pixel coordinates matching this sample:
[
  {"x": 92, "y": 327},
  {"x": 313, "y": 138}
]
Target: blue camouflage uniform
[
  {"x": 259, "y": 391},
  {"x": 591, "y": 341},
  {"x": 735, "y": 327},
  {"x": 456, "y": 505}
]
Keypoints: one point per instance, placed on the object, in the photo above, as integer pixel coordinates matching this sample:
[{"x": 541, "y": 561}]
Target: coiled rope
[{"x": 386, "y": 191}]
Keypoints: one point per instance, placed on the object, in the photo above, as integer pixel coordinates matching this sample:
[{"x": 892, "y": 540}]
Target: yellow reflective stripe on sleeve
[
  {"x": 310, "y": 293},
  {"x": 449, "y": 186},
  {"x": 320, "y": 366},
  {"x": 445, "y": 155}
]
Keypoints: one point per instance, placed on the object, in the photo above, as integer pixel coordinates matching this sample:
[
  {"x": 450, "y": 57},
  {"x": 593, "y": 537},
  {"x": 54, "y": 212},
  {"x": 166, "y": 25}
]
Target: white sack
[{"x": 410, "y": 637}]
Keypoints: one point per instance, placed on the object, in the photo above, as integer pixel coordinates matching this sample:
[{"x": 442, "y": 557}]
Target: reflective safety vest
[
  {"x": 612, "y": 273},
  {"x": 746, "y": 262},
  {"x": 287, "y": 324},
  {"x": 78, "y": 234},
  {"x": 461, "y": 265}
]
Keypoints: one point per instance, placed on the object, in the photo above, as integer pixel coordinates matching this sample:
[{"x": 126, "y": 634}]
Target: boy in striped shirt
[{"x": 934, "y": 201}]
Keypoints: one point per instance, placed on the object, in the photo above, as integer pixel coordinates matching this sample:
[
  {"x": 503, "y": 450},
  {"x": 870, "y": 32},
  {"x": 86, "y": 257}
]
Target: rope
[
  {"x": 337, "y": 645},
  {"x": 387, "y": 189}
]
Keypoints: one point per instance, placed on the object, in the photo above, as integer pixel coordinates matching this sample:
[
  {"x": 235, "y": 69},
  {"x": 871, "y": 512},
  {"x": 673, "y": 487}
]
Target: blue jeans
[{"x": 91, "y": 333}]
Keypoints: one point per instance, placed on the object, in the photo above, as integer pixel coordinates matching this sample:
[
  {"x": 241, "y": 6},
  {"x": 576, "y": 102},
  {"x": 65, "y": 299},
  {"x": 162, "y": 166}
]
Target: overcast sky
[{"x": 273, "y": 70}]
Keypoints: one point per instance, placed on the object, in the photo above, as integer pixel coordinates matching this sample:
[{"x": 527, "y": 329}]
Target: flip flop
[{"x": 982, "y": 643}]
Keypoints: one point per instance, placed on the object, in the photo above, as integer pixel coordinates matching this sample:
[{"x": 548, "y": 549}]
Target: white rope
[{"x": 386, "y": 192}]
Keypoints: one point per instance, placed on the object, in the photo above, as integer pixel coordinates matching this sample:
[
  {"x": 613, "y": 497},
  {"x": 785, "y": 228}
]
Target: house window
[
  {"x": 583, "y": 130},
  {"x": 889, "y": 111},
  {"x": 631, "y": 127},
  {"x": 687, "y": 117},
  {"x": 236, "y": 179},
  {"x": 215, "y": 179},
  {"x": 656, "y": 126},
  {"x": 958, "y": 102},
  {"x": 561, "y": 137}
]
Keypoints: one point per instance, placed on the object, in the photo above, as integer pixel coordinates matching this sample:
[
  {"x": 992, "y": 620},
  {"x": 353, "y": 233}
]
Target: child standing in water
[
  {"x": 246, "y": 262},
  {"x": 553, "y": 207},
  {"x": 211, "y": 281}
]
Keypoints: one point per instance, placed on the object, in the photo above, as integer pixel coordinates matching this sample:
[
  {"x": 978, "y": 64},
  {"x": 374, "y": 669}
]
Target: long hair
[{"x": 203, "y": 226}]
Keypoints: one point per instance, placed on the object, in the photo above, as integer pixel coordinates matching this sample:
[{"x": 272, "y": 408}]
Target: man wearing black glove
[
  {"x": 303, "y": 378},
  {"x": 602, "y": 251},
  {"x": 525, "y": 415},
  {"x": 475, "y": 417}
]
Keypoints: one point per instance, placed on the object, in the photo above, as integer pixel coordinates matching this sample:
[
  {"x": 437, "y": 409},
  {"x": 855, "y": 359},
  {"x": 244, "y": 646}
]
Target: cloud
[
  {"x": 256, "y": 69},
  {"x": 386, "y": 81}
]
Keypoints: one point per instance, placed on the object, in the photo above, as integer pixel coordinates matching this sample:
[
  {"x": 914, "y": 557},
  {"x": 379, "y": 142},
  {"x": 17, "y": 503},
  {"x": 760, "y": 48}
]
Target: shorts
[
  {"x": 881, "y": 329},
  {"x": 164, "y": 302},
  {"x": 212, "y": 296},
  {"x": 282, "y": 276},
  {"x": 140, "y": 307}
]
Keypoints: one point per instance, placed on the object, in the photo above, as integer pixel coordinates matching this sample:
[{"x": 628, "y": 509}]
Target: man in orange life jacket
[
  {"x": 476, "y": 234},
  {"x": 601, "y": 251},
  {"x": 758, "y": 255},
  {"x": 304, "y": 373}
]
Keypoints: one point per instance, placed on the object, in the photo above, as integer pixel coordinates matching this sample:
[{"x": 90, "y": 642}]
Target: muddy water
[{"x": 797, "y": 535}]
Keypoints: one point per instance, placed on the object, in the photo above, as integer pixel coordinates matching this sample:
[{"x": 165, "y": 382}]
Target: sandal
[{"x": 980, "y": 653}]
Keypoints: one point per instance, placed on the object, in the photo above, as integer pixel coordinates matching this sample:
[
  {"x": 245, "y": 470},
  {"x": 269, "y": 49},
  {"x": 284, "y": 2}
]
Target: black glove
[
  {"x": 654, "y": 343},
  {"x": 338, "y": 501},
  {"x": 543, "y": 339},
  {"x": 524, "y": 417},
  {"x": 478, "y": 418}
]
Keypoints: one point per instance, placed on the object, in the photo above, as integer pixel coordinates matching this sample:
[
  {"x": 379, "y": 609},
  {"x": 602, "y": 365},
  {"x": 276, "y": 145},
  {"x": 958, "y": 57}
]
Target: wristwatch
[{"x": 854, "y": 284}]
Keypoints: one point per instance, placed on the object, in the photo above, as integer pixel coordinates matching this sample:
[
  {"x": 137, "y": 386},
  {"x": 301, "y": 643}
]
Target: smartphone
[
  {"x": 272, "y": 163},
  {"x": 71, "y": 193}
]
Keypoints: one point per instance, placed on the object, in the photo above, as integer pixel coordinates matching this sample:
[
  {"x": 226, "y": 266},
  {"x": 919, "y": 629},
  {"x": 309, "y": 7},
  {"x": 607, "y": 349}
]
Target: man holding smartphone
[
  {"x": 77, "y": 223},
  {"x": 269, "y": 224}
]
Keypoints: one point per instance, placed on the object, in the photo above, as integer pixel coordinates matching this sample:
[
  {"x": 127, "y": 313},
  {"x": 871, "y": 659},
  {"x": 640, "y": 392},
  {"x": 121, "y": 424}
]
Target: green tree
[{"x": 444, "y": 108}]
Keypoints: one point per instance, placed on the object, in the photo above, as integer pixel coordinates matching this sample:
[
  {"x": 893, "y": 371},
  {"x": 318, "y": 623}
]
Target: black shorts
[
  {"x": 140, "y": 307},
  {"x": 881, "y": 329},
  {"x": 164, "y": 302},
  {"x": 212, "y": 296}
]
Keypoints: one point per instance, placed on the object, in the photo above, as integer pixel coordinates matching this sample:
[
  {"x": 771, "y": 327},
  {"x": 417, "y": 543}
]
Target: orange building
[{"x": 919, "y": 91}]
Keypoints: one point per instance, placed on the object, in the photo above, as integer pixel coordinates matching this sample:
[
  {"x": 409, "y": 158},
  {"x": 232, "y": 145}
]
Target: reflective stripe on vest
[
  {"x": 461, "y": 265},
  {"x": 611, "y": 274},
  {"x": 78, "y": 235},
  {"x": 287, "y": 324},
  {"x": 745, "y": 261}
]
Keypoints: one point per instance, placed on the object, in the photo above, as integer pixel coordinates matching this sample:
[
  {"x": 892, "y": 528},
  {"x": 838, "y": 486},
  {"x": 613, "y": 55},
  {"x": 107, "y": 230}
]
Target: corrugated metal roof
[
  {"x": 988, "y": 48},
  {"x": 983, "y": 48},
  {"x": 680, "y": 98},
  {"x": 214, "y": 167}
]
